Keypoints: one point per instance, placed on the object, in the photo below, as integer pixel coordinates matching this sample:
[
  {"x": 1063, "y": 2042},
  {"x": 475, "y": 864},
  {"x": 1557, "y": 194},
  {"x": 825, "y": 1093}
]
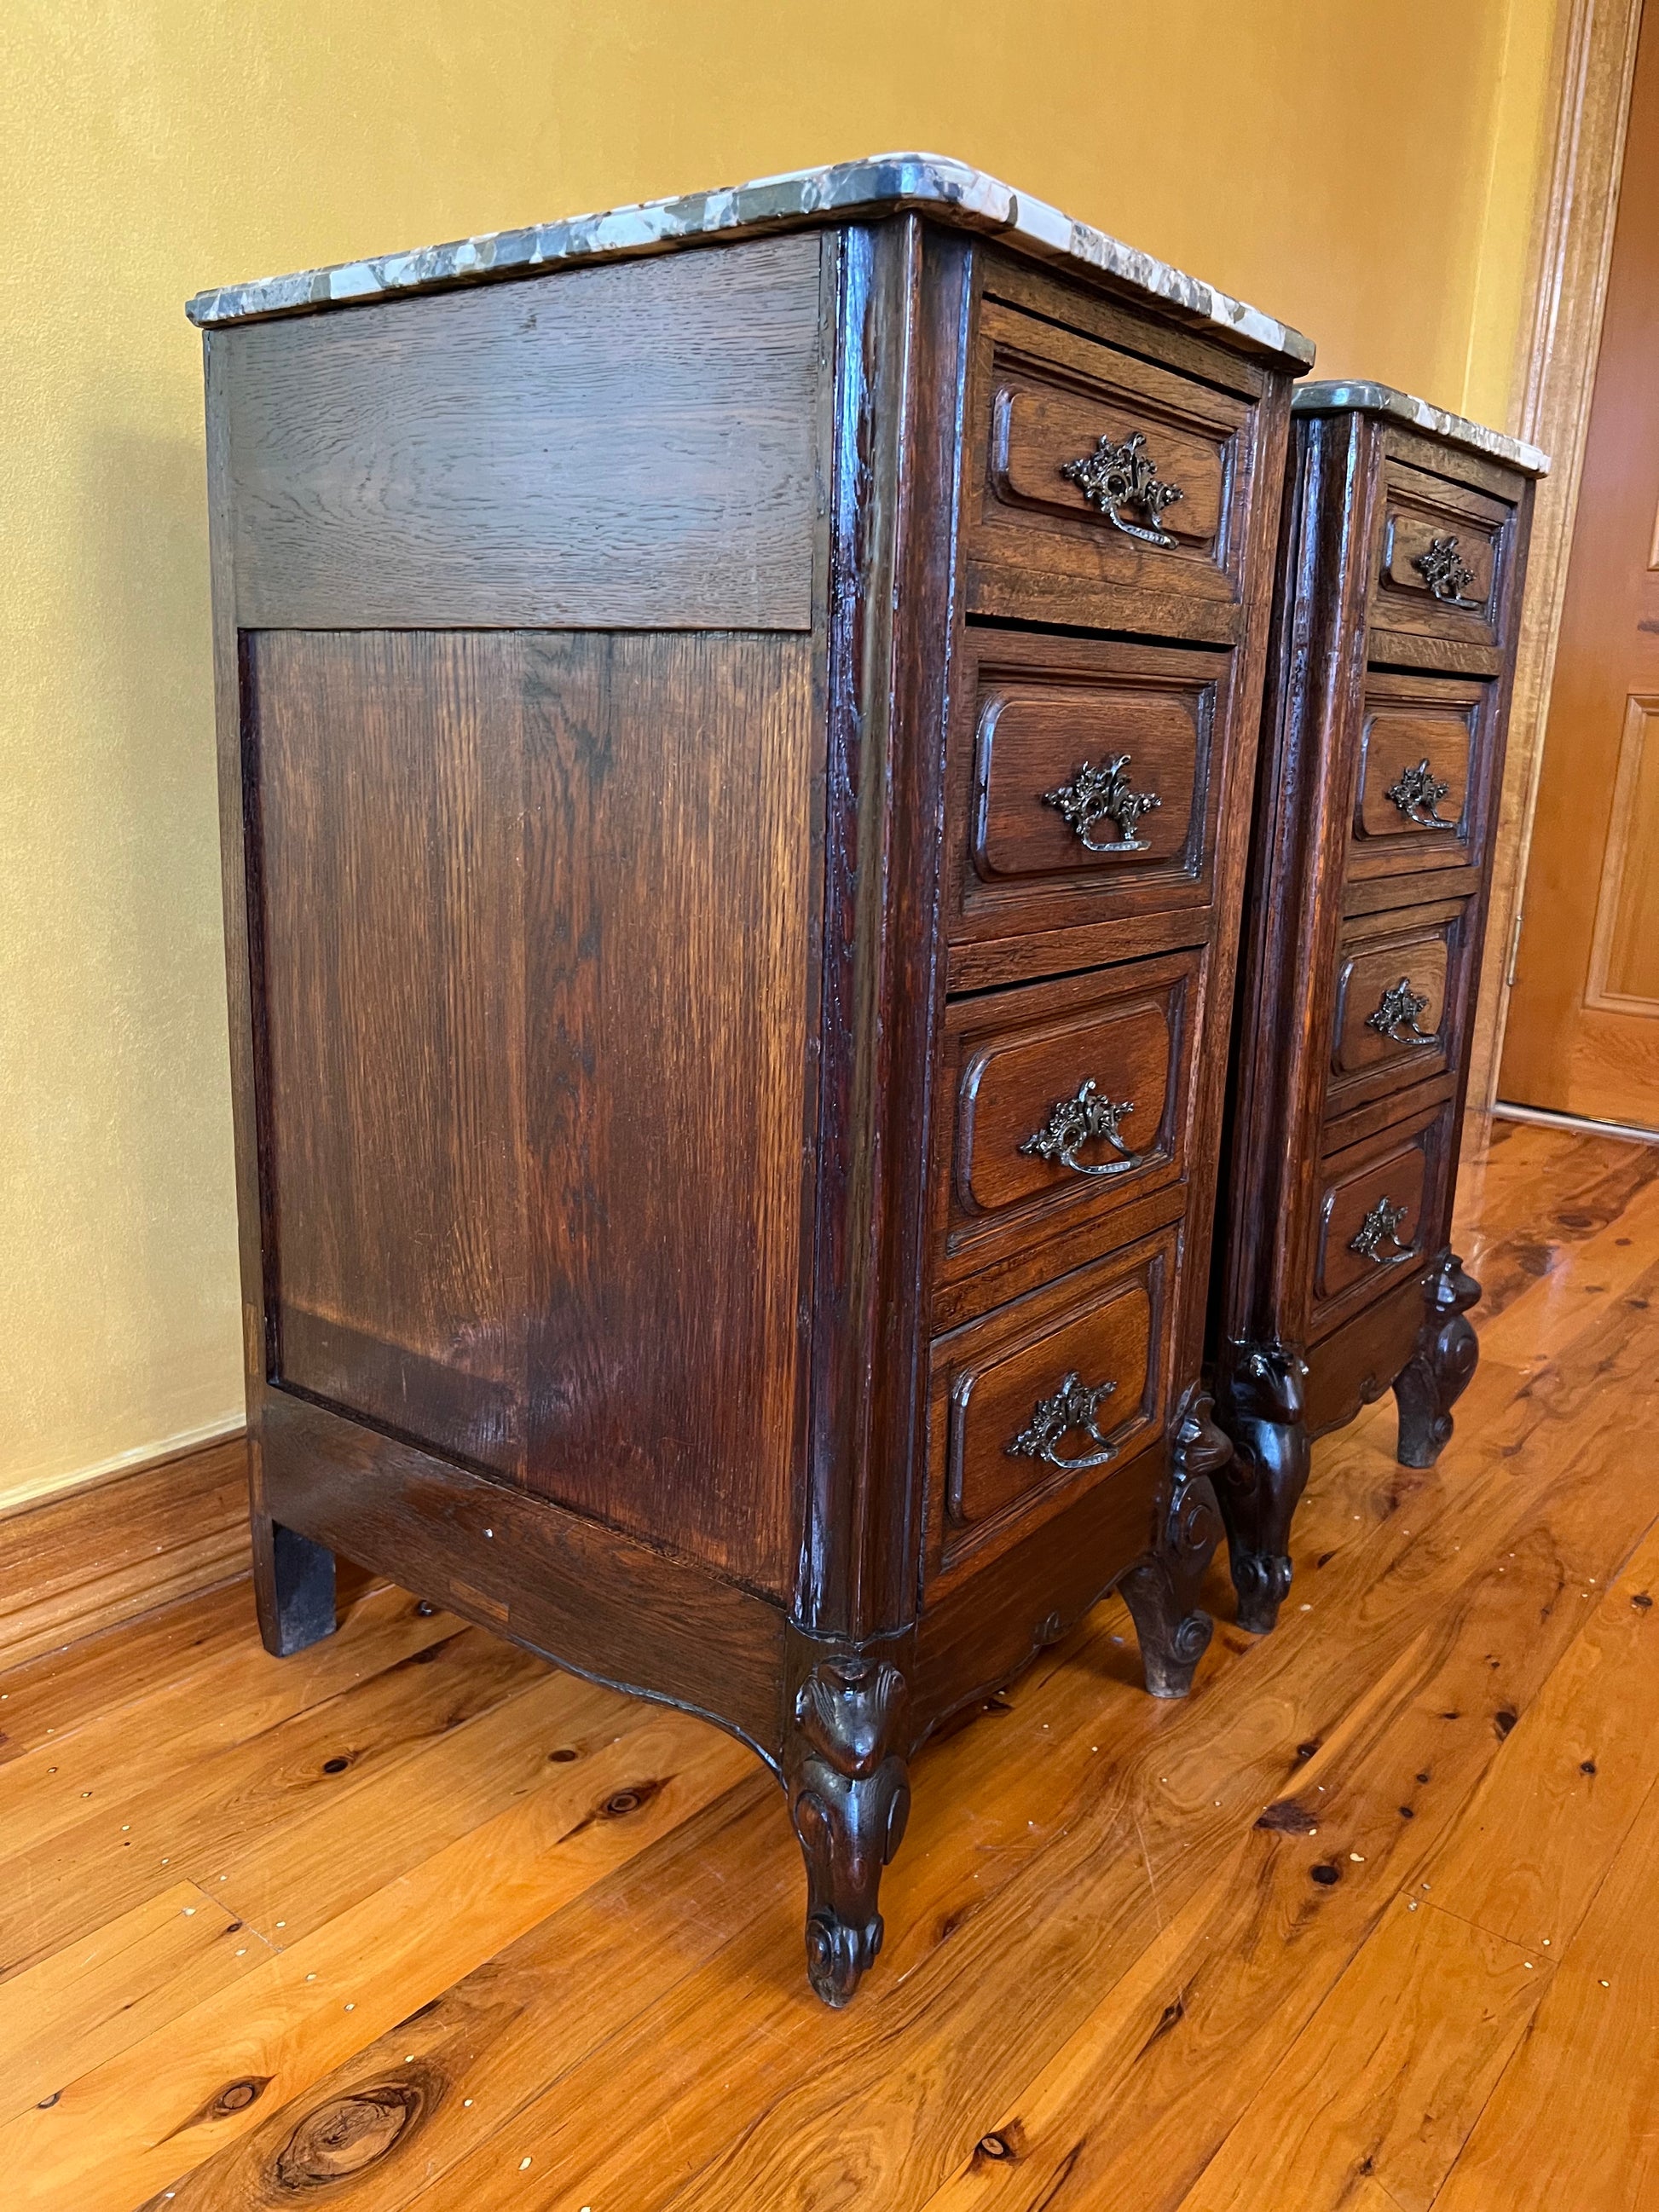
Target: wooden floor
[{"x": 1371, "y": 1921}]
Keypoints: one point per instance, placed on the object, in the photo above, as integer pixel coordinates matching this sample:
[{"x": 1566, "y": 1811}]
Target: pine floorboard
[{"x": 1371, "y": 1921}]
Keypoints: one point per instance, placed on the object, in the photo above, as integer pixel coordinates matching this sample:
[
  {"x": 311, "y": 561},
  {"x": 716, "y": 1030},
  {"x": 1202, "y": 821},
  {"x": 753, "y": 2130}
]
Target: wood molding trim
[
  {"x": 1573, "y": 246},
  {"x": 72, "y": 1566}
]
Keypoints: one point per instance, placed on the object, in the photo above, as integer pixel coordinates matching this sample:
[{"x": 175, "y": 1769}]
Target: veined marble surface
[
  {"x": 1384, "y": 399},
  {"x": 881, "y": 182}
]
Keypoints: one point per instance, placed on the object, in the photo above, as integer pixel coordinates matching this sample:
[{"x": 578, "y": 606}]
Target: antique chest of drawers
[
  {"x": 737, "y": 726},
  {"x": 1402, "y": 557}
]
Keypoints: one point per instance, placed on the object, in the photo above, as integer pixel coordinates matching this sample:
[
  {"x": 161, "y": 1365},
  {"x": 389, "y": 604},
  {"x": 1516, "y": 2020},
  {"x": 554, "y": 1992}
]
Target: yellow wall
[{"x": 1364, "y": 171}]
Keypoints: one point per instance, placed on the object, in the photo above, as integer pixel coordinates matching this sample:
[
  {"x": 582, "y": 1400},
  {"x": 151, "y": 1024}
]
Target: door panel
[{"x": 1582, "y": 1032}]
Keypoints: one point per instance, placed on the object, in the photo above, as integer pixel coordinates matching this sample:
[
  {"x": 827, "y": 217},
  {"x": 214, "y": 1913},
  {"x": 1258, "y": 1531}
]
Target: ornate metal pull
[
  {"x": 1383, "y": 1220},
  {"x": 1396, "y": 1015},
  {"x": 1103, "y": 795},
  {"x": 1445, "y": 572},
  {"x": 1418, "y": 795},
  {"x": 1113, "y": 477},
  {"x": 1074, "y": 1406},
  {"x": 1079, "y": 1120}
]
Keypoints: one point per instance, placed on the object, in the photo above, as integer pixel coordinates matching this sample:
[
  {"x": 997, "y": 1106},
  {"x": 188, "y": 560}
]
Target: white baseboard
[{"x": 1503, "y": 1110}]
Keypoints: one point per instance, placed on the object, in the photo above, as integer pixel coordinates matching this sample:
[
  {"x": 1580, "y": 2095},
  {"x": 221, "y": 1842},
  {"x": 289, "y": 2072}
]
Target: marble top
[
  {"x": 878, "y": 184},
  {"x": 1384, "y": 399}
]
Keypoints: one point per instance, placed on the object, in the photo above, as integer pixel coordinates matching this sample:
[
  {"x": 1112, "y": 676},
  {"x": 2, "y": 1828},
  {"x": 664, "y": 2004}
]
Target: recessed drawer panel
[
  {"x": 1401, "y": 1002},
  {"x": 1421, "y": 798},
  {"x": 1440, "y": 561},
  {"x": 1081, "y": 780},
  {"x": 1104, "y": 479},
  {"x": 1047, "y": 1396},
  {"x": 1379, "y": 1201},
  {"x": 1072, "y": 1100}
]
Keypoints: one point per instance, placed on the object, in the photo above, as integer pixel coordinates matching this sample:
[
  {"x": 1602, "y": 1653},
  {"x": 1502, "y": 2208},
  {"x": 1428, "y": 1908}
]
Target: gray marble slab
[
  {"x": 1384, "y": 399},
  {"x": 949, "y": 190}
]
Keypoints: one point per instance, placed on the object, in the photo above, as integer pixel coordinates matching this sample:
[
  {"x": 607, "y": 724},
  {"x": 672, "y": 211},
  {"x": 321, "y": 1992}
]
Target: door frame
[{"x": 1592, "y": 67}]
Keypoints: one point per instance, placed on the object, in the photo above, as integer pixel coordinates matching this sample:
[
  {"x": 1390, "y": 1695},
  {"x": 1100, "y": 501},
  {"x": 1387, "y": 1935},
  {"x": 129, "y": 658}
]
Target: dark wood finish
[
  {"x": 1421, "y": 509},
  {"x": 1411, "y": 722},
  {"x": 1437, "y": 1372},
  {"x": 1012, "y": 1060},
  {"x": 1032, "y": 713},
  {"x": 1385, "y": 718},
  {"x": 489, "y": 862},
  {"x": 611, "y": 1607},
  {"x": 1108, "y": 1325},
  {"x": 1042, "y": 398},
  {"x": 621, "y": 446},
  {"x": 622, "y": 1154},
  {"x": 1395, "y": 1172}
]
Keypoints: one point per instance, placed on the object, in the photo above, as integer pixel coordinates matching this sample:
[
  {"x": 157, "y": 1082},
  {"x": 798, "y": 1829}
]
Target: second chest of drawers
[{"x": 1401, "y": 566}]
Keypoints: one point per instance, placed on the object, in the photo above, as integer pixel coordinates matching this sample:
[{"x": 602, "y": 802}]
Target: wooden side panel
[
  {"x": 534, "y": 943},
  {"x": 629, "y": 446}
]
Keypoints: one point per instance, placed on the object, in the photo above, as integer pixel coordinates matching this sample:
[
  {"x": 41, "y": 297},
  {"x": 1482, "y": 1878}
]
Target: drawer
[
  {"x": 1379, "y": 1205},
  {"x": 1401, "y": 990},
  {"x": 1082, "y": 781},
  {"x": 1422, "y": 792},
  {"x": 1046, "y": 1396},
  {"x": 1440, "y": 559},
  {"x": 1071, "y": 1102},
  {"x": 1110, "y": 491}
]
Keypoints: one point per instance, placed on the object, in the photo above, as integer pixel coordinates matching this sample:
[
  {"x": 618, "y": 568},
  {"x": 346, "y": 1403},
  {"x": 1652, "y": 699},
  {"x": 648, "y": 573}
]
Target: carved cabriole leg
[
  {"x": 1260, "y": 1404},
  {"x": 1162, "y": 1591},
  {"x": 293, "y": 1587},
  {"x": 849, "y": 1783},
  {"x": 1438, "y": 1371}
]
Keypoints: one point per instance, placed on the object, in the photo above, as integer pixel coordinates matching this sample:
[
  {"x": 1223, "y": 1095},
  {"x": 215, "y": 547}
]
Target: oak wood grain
[{"x": 497, "y": 456}]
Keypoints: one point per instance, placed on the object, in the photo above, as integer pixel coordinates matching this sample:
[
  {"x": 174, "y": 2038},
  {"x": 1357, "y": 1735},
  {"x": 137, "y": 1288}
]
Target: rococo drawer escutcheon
[
  {"x": 1083, "y": 1120},
  {"x": 1115, "y": 476},
  {"x": 1396, "y": 1015},
  {"x": 1445, "y": 572},
  {"x": 1104, "y": 794},
  {"x": 1382, "y": 1224},
  {"x": 1074, "y": 1406},
  {"x": 1418, "y": 795}
]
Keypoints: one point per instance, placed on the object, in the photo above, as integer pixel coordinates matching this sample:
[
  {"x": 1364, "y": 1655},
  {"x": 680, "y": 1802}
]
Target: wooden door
[{"x": 1582, "y": 1035}]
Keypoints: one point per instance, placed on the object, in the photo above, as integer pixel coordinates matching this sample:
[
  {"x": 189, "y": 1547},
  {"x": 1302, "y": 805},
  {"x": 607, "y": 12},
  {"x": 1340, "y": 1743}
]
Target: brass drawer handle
[
  {"x": 1113, "y": 477},
  {"x": 1080, "y": 1121},
  {"x": 1383, "y": 1220},
  {"x": 1396, "y": 1015},
  {"x": 1104, "y": 794},
  {"x": 1074, "y": 1406},
  {"x": 1418, "y": 795},
  {"x": 1445, "y": 572}
]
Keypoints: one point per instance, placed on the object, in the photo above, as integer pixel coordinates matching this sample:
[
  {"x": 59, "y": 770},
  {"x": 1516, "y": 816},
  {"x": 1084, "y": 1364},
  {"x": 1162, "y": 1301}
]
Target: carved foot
[
  {"x": 1162, "y": 1591},
  {"x": 293, "y": 1588},
  {"x": 1438, "y": 1371},
  {"x": 1261, "y": 1408},
  {"x": 849, "y": 1797}
]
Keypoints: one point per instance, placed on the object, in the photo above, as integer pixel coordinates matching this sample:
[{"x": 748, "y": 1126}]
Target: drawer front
[
  {"x": 1045, "y": 1397},
  {"x": 1440, "y": 559},
  {"x": 1421, "y": 797},
  {"x": 1402, "y": 989},
  {"x": 1103, "y": 479},
  {"x": 1082, "y": 781},
  {"x": 1073, "y": 1101},
  {"x": 1379, "y": 1203}
]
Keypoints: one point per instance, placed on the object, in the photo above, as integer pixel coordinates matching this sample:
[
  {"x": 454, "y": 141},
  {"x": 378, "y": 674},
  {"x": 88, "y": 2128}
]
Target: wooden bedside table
[{"x": 736, "y": 768}]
